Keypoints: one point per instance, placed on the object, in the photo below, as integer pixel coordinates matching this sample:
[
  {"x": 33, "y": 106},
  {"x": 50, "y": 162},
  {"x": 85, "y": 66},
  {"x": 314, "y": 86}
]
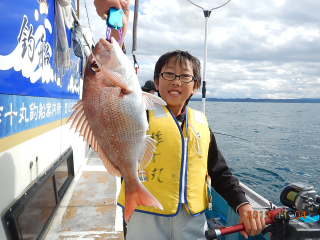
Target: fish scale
[
  {"x": 129, "y": 135},
  {"x": 111, "y": 117}
]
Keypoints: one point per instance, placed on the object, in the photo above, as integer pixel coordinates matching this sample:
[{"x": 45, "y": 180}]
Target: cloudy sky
[{"x": 256, "y": 49}]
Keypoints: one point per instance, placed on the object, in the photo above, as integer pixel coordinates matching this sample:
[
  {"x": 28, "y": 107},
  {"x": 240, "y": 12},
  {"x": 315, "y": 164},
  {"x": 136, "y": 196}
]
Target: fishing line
[
  {"x": 261, "y": 184},
  {"x": 249, "y": 142},
  {"x": 192, "y": 2}
]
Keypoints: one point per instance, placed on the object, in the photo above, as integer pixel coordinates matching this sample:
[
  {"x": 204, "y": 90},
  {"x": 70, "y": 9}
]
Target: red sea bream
[{"x": 111, "y": 117}]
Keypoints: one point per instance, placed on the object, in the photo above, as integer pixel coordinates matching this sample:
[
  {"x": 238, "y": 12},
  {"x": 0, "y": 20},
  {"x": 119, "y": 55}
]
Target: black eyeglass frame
[{"x": 176, "y": 76}]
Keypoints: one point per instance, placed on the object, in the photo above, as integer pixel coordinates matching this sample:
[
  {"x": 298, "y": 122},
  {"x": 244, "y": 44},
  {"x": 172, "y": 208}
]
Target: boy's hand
[
  {"x": 253, "y": 226},
  {"x": 103, "y": 6}
]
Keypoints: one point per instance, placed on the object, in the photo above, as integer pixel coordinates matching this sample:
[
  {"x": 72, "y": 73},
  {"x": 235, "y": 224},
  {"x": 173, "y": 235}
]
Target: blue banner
[
  {"x": 20, "y": 113},
  {"x": 28, "y": 52}
]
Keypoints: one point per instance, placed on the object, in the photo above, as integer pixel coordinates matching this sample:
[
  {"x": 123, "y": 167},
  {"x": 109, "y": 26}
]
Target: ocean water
[{"x": 290, "y": 132}]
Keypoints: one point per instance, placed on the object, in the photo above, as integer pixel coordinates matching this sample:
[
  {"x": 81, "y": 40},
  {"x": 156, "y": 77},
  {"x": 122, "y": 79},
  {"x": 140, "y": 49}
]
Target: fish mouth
[{"x": 94, "y": 67}]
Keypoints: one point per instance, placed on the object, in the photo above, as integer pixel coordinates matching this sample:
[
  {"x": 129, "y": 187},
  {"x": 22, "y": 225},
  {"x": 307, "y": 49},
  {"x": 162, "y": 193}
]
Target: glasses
[{"x": 182, "y": 78}]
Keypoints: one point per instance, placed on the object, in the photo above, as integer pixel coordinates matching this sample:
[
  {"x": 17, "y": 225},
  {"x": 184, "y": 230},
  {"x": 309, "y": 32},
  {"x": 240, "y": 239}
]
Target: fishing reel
[
  {"x": 302, "y": 198},
  {"x": 303, "y": 201}
]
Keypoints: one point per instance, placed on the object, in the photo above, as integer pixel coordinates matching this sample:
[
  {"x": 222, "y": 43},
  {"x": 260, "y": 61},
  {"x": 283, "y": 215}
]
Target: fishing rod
[
  {"x": 206, "y": 15},
  {"x": 302, "y": 201},
  {"x": 215, "y": 233}
]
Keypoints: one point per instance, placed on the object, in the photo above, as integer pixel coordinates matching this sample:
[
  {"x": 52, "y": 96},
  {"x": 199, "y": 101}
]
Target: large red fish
[{"x": 111, "y": 117}]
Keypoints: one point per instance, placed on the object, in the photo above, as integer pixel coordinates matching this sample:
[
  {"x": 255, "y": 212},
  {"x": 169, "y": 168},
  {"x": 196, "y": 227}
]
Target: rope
[
  {"x": 85, "y": 5},
  {"x": 134, "y": 34},
  {"x": 135, "y": 23}
]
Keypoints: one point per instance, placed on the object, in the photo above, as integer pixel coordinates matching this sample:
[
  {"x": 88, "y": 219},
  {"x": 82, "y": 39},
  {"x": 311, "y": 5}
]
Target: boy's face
[{"x": 175, "y": 93}]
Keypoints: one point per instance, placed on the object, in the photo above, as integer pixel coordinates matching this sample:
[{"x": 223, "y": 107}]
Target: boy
[
  {"x": 186, "y": 152},
  {"x": 177, "y": 173}
]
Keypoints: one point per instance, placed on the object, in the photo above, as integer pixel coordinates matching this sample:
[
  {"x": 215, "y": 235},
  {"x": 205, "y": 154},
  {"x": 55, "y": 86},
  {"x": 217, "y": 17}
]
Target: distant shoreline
[{"x": 299, "y": 100}]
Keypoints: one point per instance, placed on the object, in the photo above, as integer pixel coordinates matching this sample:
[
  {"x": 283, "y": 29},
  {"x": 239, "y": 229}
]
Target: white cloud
[
  {"x": 257, "y": 49},
  {"x": 279, "y": 2}
]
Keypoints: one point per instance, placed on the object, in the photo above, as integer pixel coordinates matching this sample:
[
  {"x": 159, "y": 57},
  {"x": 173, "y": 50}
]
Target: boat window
[
  {"x": 29, "y": 217},
  {"x": 36, "y": 213}
]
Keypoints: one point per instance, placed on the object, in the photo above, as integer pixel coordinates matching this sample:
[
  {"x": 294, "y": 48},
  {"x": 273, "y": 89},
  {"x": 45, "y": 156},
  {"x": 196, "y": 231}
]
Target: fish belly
[{"x": 119, "y": 125}]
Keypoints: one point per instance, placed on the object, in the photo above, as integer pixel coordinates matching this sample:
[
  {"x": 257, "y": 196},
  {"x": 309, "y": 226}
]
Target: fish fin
[
  {"x": 108, "y": 165},
  {"x": 149, "y": 103},
  {"x": 148, "y": 152},
  {"x": 75, "y": 112},
  {"x": 89, "y": 139},
  {"x": 136, "y": 197},
  {"x": 149, "y": 98},
  {"x": 79, "y": 120},
  {"x": 86, "y": 133},
  {"x": 80, "y": 123},
  {"x": 116, "y": 79},
  {"x": 93, "y": 143},
  {"x": 77, "y": 104},
  {"x": 83, "y": 128}
]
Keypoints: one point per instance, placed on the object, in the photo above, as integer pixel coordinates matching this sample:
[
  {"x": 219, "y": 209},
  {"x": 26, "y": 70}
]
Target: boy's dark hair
[{"x": 181, "y": 57}]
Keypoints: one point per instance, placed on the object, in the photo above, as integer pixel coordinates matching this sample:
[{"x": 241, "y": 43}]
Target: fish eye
[{"x": 94, "y": 67}]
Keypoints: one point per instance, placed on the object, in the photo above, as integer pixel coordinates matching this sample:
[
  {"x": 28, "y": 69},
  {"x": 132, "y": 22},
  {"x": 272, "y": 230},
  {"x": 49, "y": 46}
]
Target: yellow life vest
[{"x": 174, "y": 177}]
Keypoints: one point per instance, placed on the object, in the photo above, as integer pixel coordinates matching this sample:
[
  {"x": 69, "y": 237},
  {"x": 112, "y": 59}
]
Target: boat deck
[{"x": 89, "y": 210}]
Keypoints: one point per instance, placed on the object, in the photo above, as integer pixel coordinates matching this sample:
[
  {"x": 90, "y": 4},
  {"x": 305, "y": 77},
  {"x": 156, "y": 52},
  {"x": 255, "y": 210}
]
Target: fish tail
[{"x": 136, "y": 197}]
